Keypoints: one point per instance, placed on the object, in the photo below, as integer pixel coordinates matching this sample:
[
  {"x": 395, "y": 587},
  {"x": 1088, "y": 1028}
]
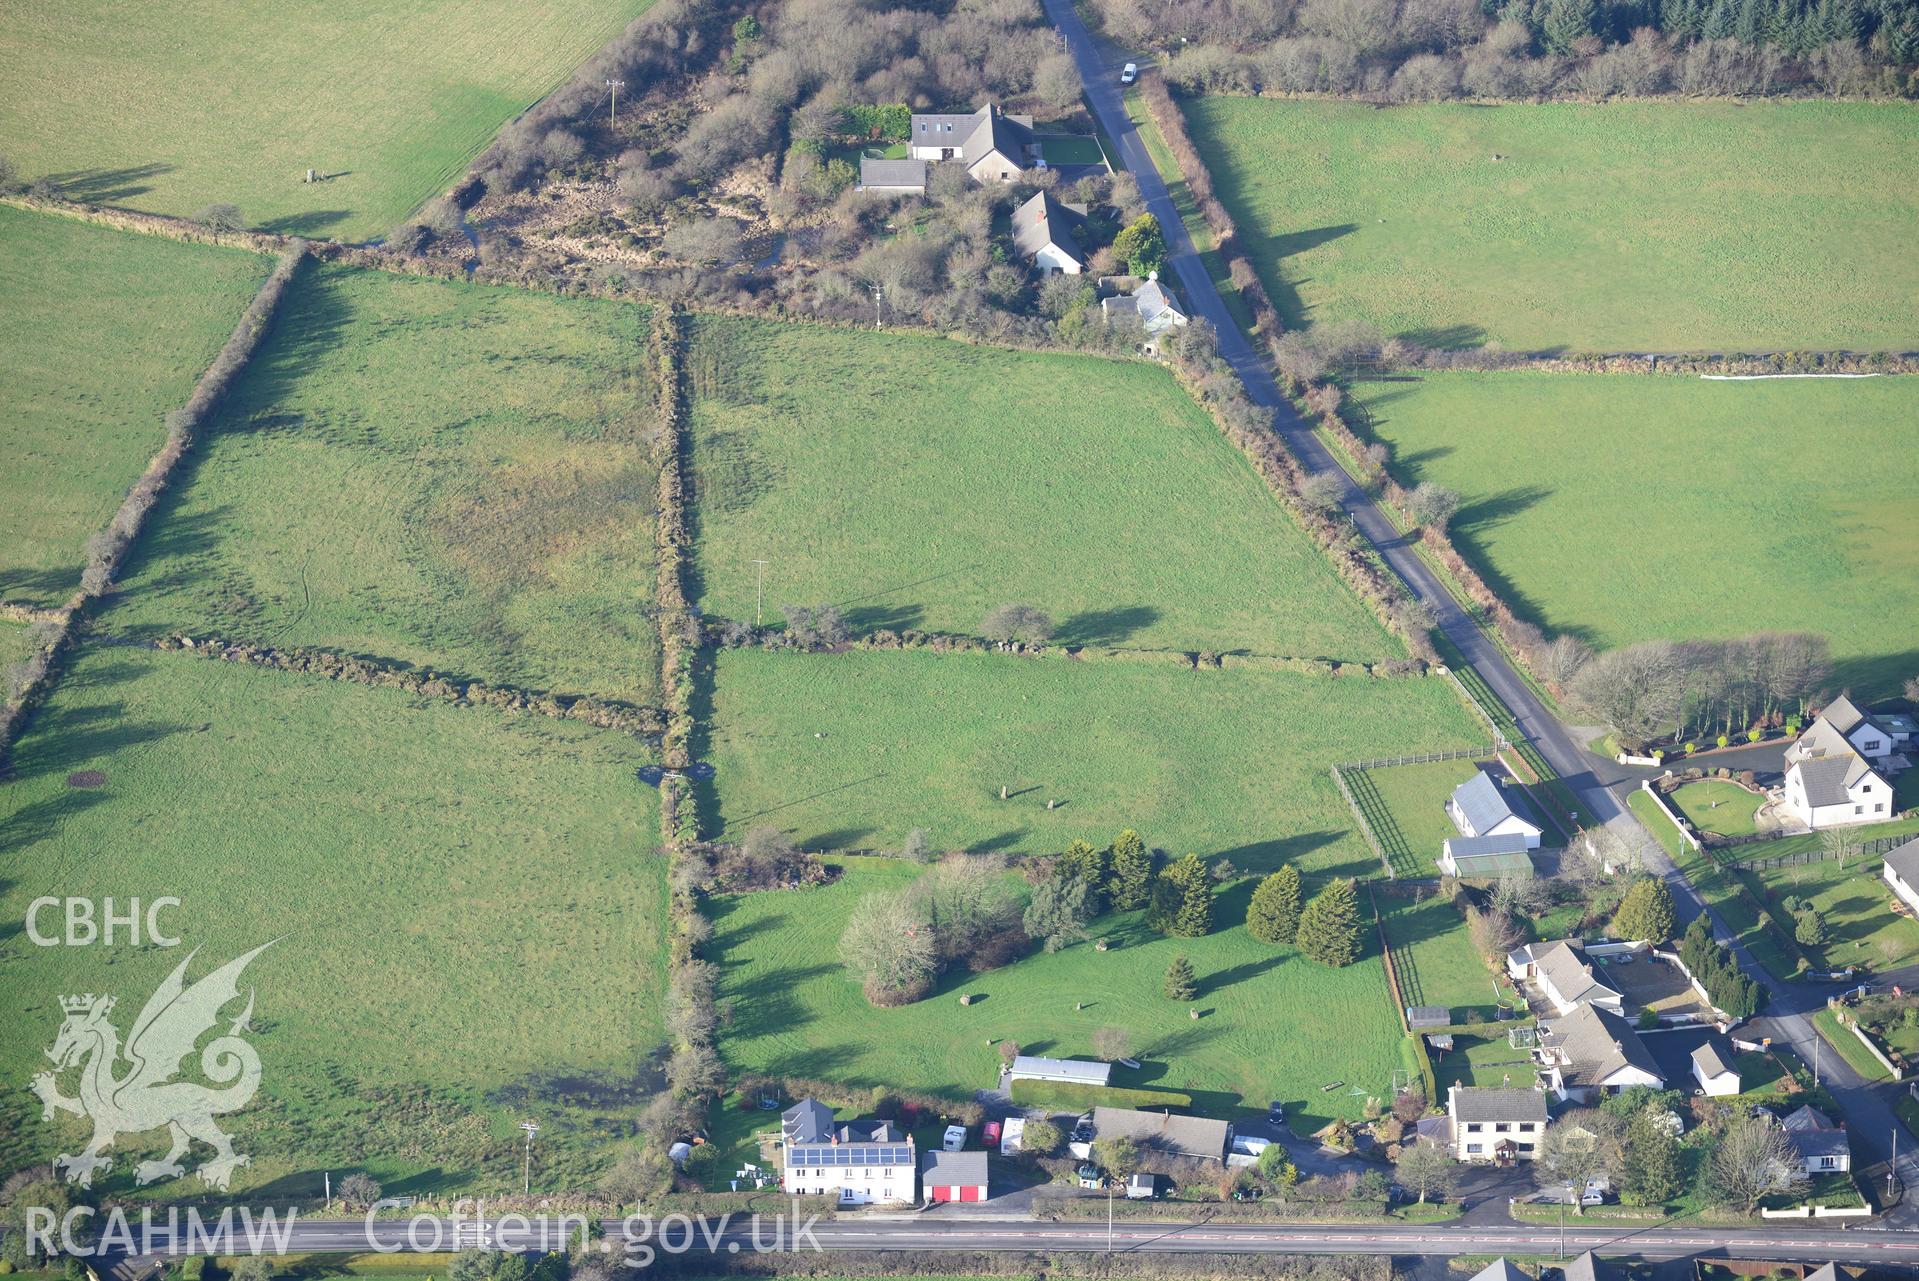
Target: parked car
[
  {"x": 1083, "y": 1129},
  {"x": 991, "y": 1133},
  {"x": 1129, "y": 73},
  {"x": 1275, "y": 1113}
]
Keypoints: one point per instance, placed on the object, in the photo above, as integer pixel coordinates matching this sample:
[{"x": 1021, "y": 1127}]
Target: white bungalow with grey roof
[
  {"x": 1902, "y": 873},
  {"x": 1029, "y": 1067},
  {"x": 1044, "y": 231},
  {"x": 1563, "y": 975},
  {"x": 1593, "y": 1052},
  {"x": 1836, "y": 790},
  {"x": 1501, "y": 1126},
  {"x": 1152, "y": 305},
  {"x": 1821, "y": 1145},
  {"x": 893, "y": 177},
  {"x": 1480, "y": 807}
]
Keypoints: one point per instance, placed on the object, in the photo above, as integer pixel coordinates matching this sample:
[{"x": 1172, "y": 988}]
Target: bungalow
[
  {"x": 1480, "y": 807},
  {"x": 992, "y": 145},
  {"x": 1044, "y": 230},
  {"x": 1593, "y": 1052},
  {"x": 1902, "y": 873},
  {"x": 1712, "y": 1067},
  {"x": 954, "y": 1176},
  {"x": 1564, "y": 976},
  {"x": 893, "y": 177},
  {"x": 1029, "y": 1067},
  {"x": 1820, "y": 1144},
  {"x": 1495, "y": 1125},
  {"x": 857, "y": 1161},
  {"x": 1831, "y": 791},
  {"x": 1165, "y": 1135}
]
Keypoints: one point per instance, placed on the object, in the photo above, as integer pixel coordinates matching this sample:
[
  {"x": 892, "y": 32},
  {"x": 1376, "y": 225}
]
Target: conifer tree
[
  {"x": 1130, "y": 880},
  {"x": 1183, "y": 899},
  {"x": 1329, "y": 927},
  {"x": 1181, "y": 983},
  {"x": 1272, "y": 915}
]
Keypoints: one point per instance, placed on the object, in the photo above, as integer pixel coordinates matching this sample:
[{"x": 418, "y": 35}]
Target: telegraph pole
[
  {"x": 1109, "y": 1214},
  {"x": 759, "y": 595},
  {"x": 613, "y": 111},
  {"x": 526, "y": 1164}
]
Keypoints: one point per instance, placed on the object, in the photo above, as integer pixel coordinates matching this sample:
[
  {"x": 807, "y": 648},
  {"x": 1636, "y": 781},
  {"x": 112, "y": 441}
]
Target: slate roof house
[
  {"x": 857, "y": 1161},
  {"x": 1565, "y": 977},
  {"x": 1902, "y": 873},
  {"x": 1499, "y": 1270},
  {"x": 1819, "y": 1143},
  {"x": 1868, "y": 734},
  {"x": 1588, "y": 1268},
  {"x": 1494, "y": 837},
  {"x": 1712, "y": 1067},
  {"x": 1837, "y": 771},
  {"x": 1152, "y": 304},
  {"x": 992, "y": 145},
  {"x": 1044, "y": 230},
  {"x": 1501, "y": 1126},
  {"x": 1165, "y": 1135},
  {"x": 1592, "y": 1052}
]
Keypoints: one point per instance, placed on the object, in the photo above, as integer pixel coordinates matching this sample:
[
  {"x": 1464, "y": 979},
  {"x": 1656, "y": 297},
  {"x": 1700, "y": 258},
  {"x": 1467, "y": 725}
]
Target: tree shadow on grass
[
  {"x": 773, "y": 1007},
  {"x": 1266, "y": 856},
  {"x": 867, "y": 619},
  {"x": 1106, "y": 626},
  {"x": 106, "y": 186},
  {"x": 310, "y": 223},
  {"x": 1875, "y": 676},
  {"x": 1233, "y": 975}
]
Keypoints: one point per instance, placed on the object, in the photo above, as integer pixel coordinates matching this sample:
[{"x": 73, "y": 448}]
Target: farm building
[
  {"x": 1712, "y": 1067},
  {"x": 953, "y": 1176},
  {"x": 1480, "y": 807},
  {"x": 1486, "y": 858},
  {"x": 1028, "y": 1067}
]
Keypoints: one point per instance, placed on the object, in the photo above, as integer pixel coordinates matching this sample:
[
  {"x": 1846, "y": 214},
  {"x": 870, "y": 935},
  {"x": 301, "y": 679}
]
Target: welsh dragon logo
[{"x": 144, "y": 1096}]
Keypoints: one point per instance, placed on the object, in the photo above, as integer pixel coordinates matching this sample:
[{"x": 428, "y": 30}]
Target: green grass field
[
  {"x": 445, "y": 475},
  {"x": 1856, "y": 905},
  {"x": 1407, "y": 808},
  {"x": 1691, "y": 499},
  {"x": 850, "y": 751},
  {"x": 917, "y": 482},
  {"x": 1712, "y": 806},
  {"x": 174, "y": 105},
  {"x": 468, "y": 905},
  {"x": 1272, "y": 1025},
  {"x": 15, "y": 644},
  {"x": 1654, "y": 226},
  {"x": 87, "y": 377},
  {"x": 1434, "y": 957}
]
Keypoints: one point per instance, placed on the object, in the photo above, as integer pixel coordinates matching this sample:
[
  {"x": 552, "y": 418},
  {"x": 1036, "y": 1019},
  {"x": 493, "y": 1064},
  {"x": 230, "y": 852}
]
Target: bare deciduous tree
[
  {"x": 1753, "y": 1161},
  {"x": 1112, "y": 1043},
  {"x": 889, "y": 944},
  {"x": 1017, "y": 622},
  {"x": 1560, "y": 661},
  {"x": 1322, "y": 491},
  {"x": 1432, "y": 505},
  {"x": 220, "y": 219}
]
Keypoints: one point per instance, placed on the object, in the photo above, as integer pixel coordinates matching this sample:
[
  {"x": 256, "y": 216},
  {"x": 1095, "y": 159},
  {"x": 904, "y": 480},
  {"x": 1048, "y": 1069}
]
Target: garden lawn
[
  {"x": 1690, "y": 499},
  {"x": 1739, "y": 907},
  {"x": 1406, "y": 804},
  {"x": 102, "y": 334},
  {"x": 919, "y": 482},
  {"x": 1856, "y": 905},
  {"x": 1483, "y": 1059},
  {"x": 176, "y": 104},
  {"x": 1611, "y": 227},
  {"x": 1434, "y": 957},
  {"x": 853, "y": 750},
  {"x": 468, "y": 908},
  {"x": 1713, "y": 806},
  {"x": 445, "y": 475},
  {"x": 1272, "y": 1025},
  {"x": 1841, "y": 1038}
]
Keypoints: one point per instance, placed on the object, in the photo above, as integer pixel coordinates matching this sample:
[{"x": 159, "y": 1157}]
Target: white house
[
  {"x": 1044, "y": 230},
  {"x": 1593, "y": 1052},
  {"x": 1831, "y": 791},
  {"x": 1154, "y": 307},
  {"x": 860, "y": 1162},
  {"x": 1480, "y": 807},
  {"x": 1819, "y": 1143},
  {"x": 992, "y": 145},
  {"x": 1843, "y": 727},
  {"x": 1712, "y": 1067},
  {"x": 1902, "y": 873},
  {"x": 1498, "y": 1125},
  {"x": 1564, "y": 976}
]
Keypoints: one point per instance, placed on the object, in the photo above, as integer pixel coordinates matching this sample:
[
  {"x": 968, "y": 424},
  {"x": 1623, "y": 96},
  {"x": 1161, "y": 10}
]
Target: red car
[{"x": 992, "y": 1133}]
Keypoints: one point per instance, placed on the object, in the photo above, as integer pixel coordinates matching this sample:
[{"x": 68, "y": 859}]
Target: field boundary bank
[
  {"x": 602, "y": 713},
  {"x": 679, "y": 629},
  {"x": 632, "y": 289},
  {"x": 106, "y": 550},
  {"x": 16, "y": 612},
  {"x": 886, "y": 640}
]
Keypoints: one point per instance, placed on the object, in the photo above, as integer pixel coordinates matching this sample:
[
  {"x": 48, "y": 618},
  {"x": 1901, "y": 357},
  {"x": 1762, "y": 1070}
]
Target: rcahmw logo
[{"x": 145, "y": 1096}]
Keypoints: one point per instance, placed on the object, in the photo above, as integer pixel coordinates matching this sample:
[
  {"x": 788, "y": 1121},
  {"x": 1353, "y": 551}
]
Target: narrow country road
[{"x": 1599, "y": 786}]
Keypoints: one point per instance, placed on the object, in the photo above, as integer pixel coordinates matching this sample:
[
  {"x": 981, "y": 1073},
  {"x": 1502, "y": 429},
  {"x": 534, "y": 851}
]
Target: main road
[{"x": 937, "y": 1231}]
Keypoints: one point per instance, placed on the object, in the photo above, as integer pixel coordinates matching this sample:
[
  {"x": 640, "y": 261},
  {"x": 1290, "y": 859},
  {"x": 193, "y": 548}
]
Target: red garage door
[
  {"x": 938, "y": 1193},
  {"x": 974, "y": 1193}
]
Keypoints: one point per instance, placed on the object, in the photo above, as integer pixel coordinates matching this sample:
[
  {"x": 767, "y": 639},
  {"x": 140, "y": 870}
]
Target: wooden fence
[
  {"x": 1872, "y": 847},
  {"x": 1366, "y": 828}
]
